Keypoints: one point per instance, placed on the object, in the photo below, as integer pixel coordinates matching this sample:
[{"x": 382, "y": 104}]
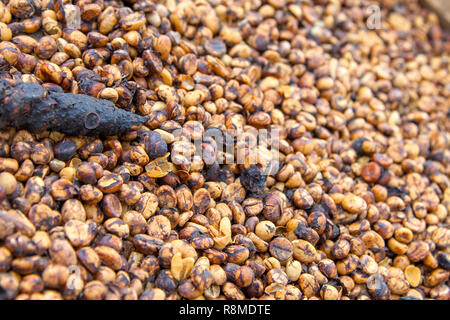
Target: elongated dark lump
[{"x": 33, "y": 107}]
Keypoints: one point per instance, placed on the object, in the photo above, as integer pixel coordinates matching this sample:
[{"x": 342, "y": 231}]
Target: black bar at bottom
[{"x": 184, "y": 309}]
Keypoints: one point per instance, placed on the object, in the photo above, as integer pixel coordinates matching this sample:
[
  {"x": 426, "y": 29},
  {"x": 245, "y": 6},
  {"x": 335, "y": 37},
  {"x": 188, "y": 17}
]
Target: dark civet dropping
[
  {"x": 43, "y": 109},
  {"x": 253, "y": 179}
]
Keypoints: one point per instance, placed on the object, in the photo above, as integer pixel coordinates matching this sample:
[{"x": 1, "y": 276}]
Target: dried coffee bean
[
  {"x": 304, "y": 251},
  {"x": 281, "y": 248}
]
